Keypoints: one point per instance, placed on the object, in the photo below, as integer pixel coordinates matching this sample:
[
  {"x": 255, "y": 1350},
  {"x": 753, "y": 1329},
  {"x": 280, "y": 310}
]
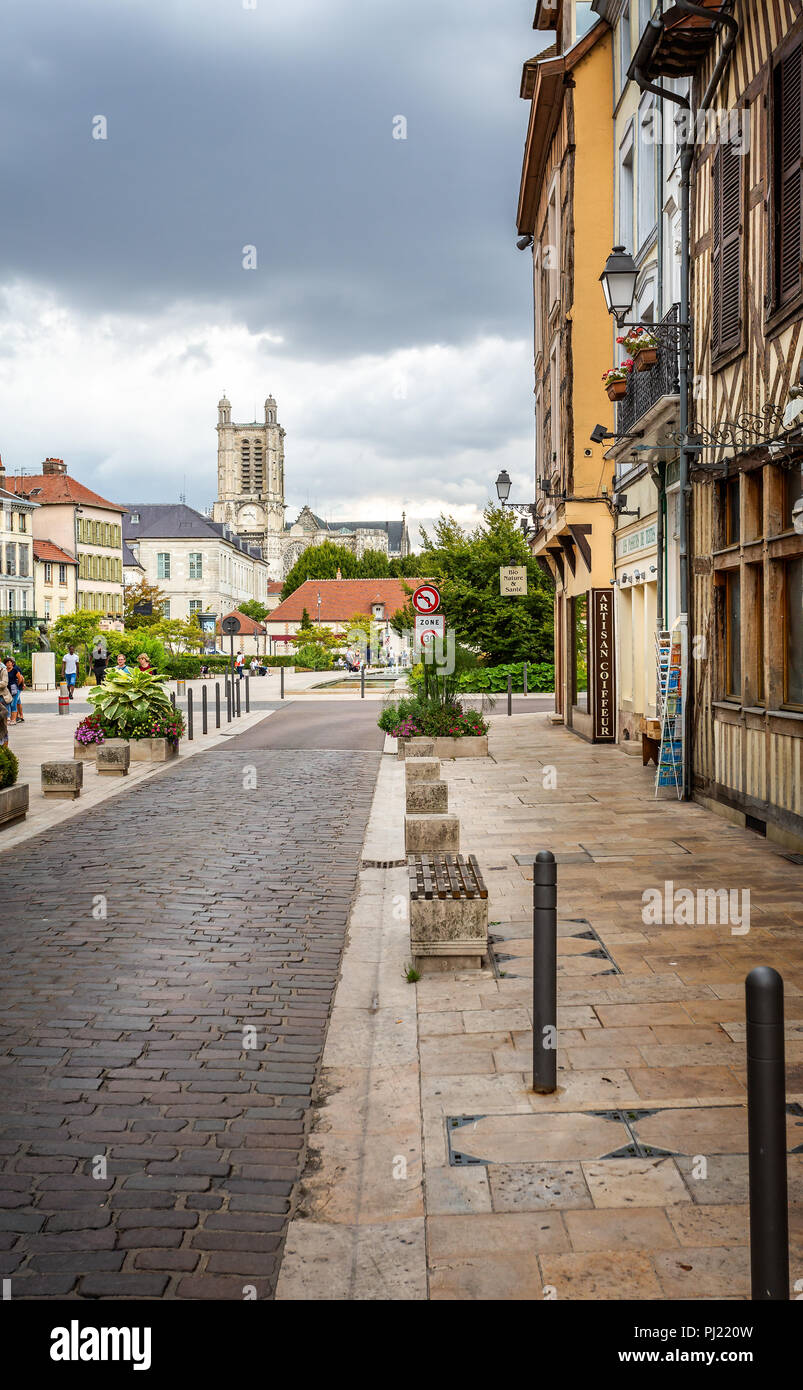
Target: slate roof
[
  {"x": 177, "y": 521},
  {"x": 394, "y": 530}
]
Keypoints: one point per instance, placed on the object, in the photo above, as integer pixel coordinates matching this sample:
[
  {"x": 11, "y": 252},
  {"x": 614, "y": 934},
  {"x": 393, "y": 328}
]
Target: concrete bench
[
  {"x": 416, "y": 748},
  {"x": 448, "y": 912},
  {"x": 63, "y": 780},
  {"x": 113, "y": 758},
  {"x": 431, "y": 832},
  {"x": 421, "y": 770},
  {"x": 427, "y": 798}
]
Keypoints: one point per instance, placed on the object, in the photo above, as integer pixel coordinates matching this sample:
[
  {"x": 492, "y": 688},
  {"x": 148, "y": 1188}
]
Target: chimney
[{"x": 51, "y": 466}]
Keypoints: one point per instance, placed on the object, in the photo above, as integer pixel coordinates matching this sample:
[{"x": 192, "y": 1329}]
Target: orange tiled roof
[
  {"x": 248, "y": 626},
  {"x": 59, "y": 487},
  {"x": 342, "y": 598},
  {"x": 46, "y": 550}
]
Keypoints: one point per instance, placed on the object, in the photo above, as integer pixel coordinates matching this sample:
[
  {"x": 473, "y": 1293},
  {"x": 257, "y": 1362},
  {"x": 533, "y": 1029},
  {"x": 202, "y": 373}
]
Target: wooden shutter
[
  {"x": 726, "y": 288},
  {"x": 789, "y": 161}
]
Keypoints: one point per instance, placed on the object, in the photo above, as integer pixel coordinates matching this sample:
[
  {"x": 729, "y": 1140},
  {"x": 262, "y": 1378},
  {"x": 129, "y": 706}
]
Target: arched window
[
  {"x": 245, "y": 467},
  {"x": 258, "y": 475}
]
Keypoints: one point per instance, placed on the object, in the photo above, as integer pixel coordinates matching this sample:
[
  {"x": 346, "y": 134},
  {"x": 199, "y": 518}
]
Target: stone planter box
[
  {"x": 416, "y": 748},
  {"x": 152, "y": 750},
  {"x": 472, "y": 747},
  {"x": 14, "y": 803},
  {"x": 63, "y": 780},
  {"x": 85, "y": 752}
]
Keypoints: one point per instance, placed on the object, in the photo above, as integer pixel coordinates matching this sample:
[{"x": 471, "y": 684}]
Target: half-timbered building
[{"x": 746, "y": 278}]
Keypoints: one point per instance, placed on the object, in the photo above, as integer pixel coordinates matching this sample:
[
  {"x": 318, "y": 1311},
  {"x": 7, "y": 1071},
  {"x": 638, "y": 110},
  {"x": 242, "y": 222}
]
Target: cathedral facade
[
  {"x": 250, "y": 481},
  {"x": 250, "y": 499}
]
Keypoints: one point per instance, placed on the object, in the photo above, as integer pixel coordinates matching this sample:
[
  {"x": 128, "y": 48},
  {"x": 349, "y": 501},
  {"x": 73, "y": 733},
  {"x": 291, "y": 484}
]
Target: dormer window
[{"x": 134, "y": 518}]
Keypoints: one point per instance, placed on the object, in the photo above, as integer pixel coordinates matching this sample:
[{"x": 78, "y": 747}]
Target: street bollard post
[
  {"x": 239, "y": 683},
  {"x": 217, "y": 704},
  {"x": 204, "y": 711},
  {"x": 173, "y": 699},
  {"x": 766, "y": 1136},
  {"x": 189, "y": 715},
  {"x": 228, "y": 702},
  {"x": 247, "y": 696},
  {"x": 510, "y": 695},
  {"x": 545, "y": 973},
  {"x": 362, "y": 682},
  {"x": 281, "y": 682},
  {"x": 524, "y": 672}
]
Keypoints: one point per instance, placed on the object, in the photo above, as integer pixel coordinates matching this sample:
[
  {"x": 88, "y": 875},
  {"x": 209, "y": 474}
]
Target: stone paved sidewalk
[{"x": 438, "y": 1172}]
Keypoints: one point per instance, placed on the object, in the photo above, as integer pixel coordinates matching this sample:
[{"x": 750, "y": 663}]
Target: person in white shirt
[{"x": 69, "y": 668}]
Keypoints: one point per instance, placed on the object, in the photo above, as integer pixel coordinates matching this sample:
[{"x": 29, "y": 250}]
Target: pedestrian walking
[
  {"x": 239, "y": 665},
  {"x": 16, "y": 683},
  {"x": 69, "y": 669},
  {"x": 99, "y": 661},
  {"x": 5, "y": 702}
]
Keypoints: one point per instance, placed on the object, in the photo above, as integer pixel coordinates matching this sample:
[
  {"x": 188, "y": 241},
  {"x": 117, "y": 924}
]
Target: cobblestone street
[{"x": 169, "y": 960}]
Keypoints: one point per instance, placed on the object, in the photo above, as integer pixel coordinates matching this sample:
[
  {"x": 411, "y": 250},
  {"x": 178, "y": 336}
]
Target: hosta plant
[{"x": 128, "y": 701}]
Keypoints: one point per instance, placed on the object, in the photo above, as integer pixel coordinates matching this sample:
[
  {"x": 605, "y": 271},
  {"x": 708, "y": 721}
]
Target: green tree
[
  {"x": 321, "y": 562},
  {"x": 143, "y": 592},
  {"x": 465, "y": 565},
  {"x": 252, "y": 608},
  {"x": 178, "y": 635},
  {"x": 374, "y": 564}
]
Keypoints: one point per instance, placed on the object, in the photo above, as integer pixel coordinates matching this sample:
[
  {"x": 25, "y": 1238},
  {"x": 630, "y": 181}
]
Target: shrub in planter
[
  {"x": 169, "y": 726},
  {"x": 9, "y": 768},
  {"x": 130, "y": 700}
]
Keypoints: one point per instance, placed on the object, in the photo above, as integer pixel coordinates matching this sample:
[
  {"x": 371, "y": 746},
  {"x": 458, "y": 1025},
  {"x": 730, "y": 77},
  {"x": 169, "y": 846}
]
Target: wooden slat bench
[{"x": 448, "y": 912}]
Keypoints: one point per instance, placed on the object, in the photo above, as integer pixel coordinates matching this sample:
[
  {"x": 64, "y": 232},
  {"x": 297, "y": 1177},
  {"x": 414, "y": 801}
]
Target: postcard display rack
[{"x": 671, "y": 658}]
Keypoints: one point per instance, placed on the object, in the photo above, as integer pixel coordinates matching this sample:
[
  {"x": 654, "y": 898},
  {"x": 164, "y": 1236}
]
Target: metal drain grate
[
  {"x": 498, "y": 956},
  {"x": 383, "y": 864}
]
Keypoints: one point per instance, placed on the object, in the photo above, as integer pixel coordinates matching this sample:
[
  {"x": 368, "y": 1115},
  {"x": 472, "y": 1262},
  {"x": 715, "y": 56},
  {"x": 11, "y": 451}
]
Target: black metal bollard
[
  {"x": 217, "y": 704},
  {"x": 247, "y": 696},
  {"x": 189, "y": 714},
  {"x": 524, "y": 673},
  {"x": 173, "y": 698},
  {"x": 510, "y": 695},
  {"x": 228, "y": 702},
  {"x": 281, "y": 682},
  {"x": 362, "y": 682},
  {"x": 238, "y": 684},
  {"x": 204, "y": 711},
  {"x": 545, "y": 973},
  {"x": 766, "y": 1136}
]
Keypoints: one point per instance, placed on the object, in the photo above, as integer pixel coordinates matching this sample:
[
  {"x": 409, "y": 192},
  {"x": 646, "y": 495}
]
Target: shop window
[
  {"x": 793, "y": 632},
  {"x": 733, "y": 635},
  {"x": 580, "y": 640},
  {"x": 793, "y": 490}
]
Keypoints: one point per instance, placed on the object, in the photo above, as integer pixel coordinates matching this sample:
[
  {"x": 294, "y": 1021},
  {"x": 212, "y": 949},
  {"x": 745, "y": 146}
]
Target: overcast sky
[{"x": 389, "y": 311}]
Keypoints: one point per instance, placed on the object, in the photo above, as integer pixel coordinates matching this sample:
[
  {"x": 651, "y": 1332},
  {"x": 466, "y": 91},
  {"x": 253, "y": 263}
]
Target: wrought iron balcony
[{"x": 645, "y": 389}]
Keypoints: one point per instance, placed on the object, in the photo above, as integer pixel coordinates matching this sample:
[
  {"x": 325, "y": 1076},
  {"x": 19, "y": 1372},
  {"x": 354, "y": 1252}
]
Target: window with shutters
[
  {"x": 726, "y": 271},
  {"x": 788, "y": 150}
]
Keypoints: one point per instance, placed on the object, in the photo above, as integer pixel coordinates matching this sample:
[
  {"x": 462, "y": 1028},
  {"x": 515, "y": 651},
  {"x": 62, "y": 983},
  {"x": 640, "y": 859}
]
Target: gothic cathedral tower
[{"x": 250, "y": 481}]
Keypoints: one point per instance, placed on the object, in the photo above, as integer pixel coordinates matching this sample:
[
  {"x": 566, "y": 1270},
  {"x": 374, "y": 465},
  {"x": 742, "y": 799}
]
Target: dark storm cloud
[{"x": 272, "y": 127}]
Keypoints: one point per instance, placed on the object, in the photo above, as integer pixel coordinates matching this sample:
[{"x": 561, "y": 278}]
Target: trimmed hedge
[{"x": 540, "y": 677}]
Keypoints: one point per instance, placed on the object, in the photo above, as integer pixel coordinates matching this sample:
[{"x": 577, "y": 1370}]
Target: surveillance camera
[{"x": 524, "y": 242}]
